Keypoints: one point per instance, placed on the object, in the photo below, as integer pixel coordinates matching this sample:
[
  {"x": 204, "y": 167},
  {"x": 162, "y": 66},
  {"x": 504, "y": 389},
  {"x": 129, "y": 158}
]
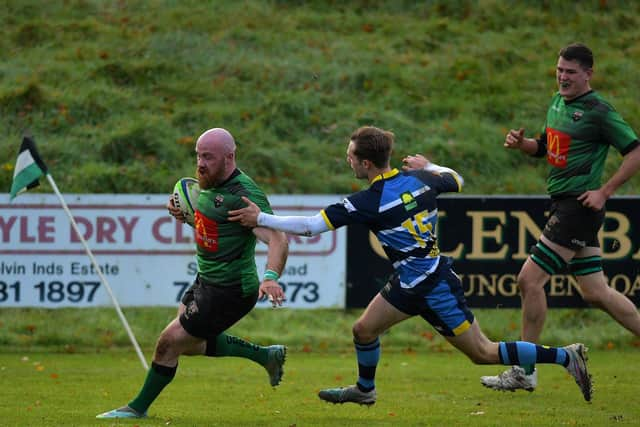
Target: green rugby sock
[
  {"x": 158, "y": 377},
  {"x": 225, "y": 345},
  {"x": 528, "y": 369}
]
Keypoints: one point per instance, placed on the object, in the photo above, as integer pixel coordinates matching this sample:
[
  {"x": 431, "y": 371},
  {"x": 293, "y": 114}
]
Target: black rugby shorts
[
  {"x": 211, "y": 310},
  {"x": 573, "y": 225}
]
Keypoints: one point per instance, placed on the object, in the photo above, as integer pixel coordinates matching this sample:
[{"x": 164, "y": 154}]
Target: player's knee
[
  {"x": 527, "y": 286},
  {"x": 357, "y": 330},
  {"x": 524, "y": 284},
  {"x": 164, "y": 348},
  {"x": 361, "y": 333}
]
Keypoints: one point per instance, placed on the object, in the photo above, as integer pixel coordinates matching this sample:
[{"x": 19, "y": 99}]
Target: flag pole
[{"x": 99, "y": 271}]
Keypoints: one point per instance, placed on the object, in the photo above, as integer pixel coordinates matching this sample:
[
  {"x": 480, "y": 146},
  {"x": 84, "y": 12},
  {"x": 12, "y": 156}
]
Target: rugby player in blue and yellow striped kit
[{"x": 400, "y": 208}]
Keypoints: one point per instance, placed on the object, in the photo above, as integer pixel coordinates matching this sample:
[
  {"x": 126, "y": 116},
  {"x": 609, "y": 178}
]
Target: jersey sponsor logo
[
  {"x": 557, "y": 147},
  {"x": 206, "y": 232},
  {"x": 408, "y": 201}
]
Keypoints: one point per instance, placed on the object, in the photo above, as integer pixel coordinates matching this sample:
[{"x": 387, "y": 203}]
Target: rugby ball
[{"x": 185, "y": 197}]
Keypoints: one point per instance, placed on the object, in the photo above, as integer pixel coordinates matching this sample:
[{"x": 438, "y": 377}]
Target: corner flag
[{"x": 29, "y": 168}]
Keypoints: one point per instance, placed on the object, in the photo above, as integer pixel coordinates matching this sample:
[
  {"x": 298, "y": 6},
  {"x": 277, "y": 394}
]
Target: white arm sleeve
[
  {"x": 432, "y": 167},
  {"x": 302, "y": 225}
]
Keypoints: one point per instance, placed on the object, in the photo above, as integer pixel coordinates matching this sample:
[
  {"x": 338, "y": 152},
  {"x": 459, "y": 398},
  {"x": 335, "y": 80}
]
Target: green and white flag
[{"x": 29, "y": 168}]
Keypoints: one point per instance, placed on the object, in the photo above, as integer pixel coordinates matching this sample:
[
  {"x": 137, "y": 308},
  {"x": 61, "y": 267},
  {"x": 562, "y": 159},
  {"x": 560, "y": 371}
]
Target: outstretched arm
[{"x": 251, "y": 216}]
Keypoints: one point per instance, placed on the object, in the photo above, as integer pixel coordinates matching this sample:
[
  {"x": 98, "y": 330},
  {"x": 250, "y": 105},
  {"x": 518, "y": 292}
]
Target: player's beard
[{"x": 205, "y": 180}]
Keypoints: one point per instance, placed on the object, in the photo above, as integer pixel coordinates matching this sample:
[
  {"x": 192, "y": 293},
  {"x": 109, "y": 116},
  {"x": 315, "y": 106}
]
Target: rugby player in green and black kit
[
  {"x": 579, "y": 129},
  {"x": 227, "y": 285}
]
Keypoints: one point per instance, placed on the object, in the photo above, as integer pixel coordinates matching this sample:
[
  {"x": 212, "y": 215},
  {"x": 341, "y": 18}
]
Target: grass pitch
[
  {"x": 62, "y": 367},
  {"x": 415, "y": 388}
]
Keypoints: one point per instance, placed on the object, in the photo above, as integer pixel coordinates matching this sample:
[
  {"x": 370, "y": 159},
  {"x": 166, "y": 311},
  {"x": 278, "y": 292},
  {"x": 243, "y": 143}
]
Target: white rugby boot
[
  {"x": 511, "y": 380},
  {"x": 578, "y": 368}
]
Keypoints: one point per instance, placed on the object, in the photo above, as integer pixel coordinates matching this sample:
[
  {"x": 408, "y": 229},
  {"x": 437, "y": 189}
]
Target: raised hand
[
  {"x": 414, "y": 162},
  {"x": 514, "y": 138}
]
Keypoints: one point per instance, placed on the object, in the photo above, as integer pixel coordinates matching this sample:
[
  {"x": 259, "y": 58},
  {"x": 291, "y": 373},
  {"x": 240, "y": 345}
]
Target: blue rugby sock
[
  {"x": 368, "y": 356},
  {"x": 525, "y": 353}
]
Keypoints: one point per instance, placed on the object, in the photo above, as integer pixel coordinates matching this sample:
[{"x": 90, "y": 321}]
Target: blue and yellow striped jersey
[{"x": 400, "y": 209}]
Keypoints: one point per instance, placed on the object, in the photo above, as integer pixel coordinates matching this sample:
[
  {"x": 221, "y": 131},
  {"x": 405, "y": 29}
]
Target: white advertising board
[{"x": 147, "y": 257}]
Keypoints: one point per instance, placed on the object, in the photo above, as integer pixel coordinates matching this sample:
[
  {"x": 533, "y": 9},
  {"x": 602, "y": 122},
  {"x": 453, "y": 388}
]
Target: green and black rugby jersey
[
  {"x": 226, "y": 250},
  {"x": 577, "y": 135}
]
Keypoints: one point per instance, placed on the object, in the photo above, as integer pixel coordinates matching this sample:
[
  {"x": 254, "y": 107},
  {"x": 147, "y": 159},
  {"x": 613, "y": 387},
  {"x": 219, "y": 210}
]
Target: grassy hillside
[{"x": 115, "y": 93}]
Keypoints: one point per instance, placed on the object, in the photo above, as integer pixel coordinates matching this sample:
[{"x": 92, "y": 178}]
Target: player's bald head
[{"x": 218, "y": 139}]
